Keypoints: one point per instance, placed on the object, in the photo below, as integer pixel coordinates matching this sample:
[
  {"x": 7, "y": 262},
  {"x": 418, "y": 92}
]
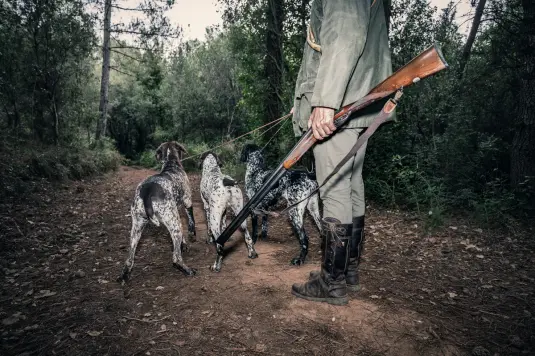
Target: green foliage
[
  {"x": 44, "y": 52},
  {"x": 449, "y": 151},
  {"x": 148, "y": 160},
  {"x": 24, "y": 161}
]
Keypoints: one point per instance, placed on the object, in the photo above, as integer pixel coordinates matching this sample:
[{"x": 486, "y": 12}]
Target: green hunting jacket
[{"x": 354, "y": 58}]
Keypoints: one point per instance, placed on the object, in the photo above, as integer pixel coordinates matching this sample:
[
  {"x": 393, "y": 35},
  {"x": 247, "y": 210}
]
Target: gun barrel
[
  {"x": 427, "y": 63},
  {"x": 251, "y": 204}
]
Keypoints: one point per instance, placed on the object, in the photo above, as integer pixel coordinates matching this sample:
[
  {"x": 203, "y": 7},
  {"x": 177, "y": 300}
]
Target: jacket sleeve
[{"x": 342, "y": 38}]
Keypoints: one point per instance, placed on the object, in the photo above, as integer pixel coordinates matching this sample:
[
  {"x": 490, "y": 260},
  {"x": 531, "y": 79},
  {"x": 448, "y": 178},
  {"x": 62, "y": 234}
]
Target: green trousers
[{"x": 343, "y": 195}]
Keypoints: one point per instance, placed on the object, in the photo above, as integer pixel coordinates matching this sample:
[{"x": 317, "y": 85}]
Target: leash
[
  {"x": 388, "y": 108},
  {"x": 274, "y": 135},
  {"x": 273, "y": 123}
]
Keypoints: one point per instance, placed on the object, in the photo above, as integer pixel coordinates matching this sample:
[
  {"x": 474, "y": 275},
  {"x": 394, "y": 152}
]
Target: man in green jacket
[{"x": 345, "y": 56}]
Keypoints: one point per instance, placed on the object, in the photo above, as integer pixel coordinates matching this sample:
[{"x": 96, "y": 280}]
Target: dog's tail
[
  {"x": 147, "y": 203},
  {"x": 146, "y": 196}
]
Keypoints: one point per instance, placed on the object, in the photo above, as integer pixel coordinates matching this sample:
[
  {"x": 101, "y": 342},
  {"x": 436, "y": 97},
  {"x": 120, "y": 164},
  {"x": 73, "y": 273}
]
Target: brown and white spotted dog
[
  {"x": 219, "y": 193},
  {"x": 158, "y": 199}
]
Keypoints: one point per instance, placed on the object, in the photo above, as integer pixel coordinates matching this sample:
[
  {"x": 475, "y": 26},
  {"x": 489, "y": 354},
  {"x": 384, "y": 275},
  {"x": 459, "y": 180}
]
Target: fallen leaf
[
  {"x": 159, "y": 288},
  {"x": 452, "y": 295},
  {"x": 374, "y": 296},
  {"x": 44, "y": 293},
  {"x": 472, "y": 246},
  {"x": 480, "y": 256},
  {"x": 73, "y": 335},
  {"x": 11, "y": 320},
  {"x": 94, "y": 333}
]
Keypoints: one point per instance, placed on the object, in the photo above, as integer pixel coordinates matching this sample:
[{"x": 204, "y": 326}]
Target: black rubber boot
[
  {"x": 330, "y": 286},
  {"x": 356, "y": 246},
  {"x": 316, "y": 274}
]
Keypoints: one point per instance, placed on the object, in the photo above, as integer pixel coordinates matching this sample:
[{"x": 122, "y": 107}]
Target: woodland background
[{"x": 77, "y": 100}]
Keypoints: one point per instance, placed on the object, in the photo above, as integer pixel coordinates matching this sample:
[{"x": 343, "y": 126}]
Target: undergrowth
[
  {"x": 23, "y": 162},
  {"x": 229, "y": 154}
]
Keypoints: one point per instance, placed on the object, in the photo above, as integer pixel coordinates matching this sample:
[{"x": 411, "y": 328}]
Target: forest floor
[{"x": 458, "y": 291}]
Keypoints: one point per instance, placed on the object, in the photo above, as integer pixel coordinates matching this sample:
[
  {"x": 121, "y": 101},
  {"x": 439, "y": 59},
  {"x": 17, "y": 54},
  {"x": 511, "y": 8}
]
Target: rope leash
[
  {"x": 275, "y": 134},
  {"x": 274, "y": 122}
]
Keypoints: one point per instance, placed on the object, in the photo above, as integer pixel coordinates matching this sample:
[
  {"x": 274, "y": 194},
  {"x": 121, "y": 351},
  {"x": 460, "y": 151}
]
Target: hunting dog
[
  {"x": 293, "y": 187},
  {"x": 220, "y": 193},
  {"x": 157, "y": 199}
]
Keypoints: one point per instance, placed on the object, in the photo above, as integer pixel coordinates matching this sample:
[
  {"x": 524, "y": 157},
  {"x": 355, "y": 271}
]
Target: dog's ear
[
  {"x": 160, "y": 152},
  {"x": 245, "y": 153},
  {"x": 201, "y": 160},
  {"x": 219, "y": 160},
  {"x": 180, "y": 149}
]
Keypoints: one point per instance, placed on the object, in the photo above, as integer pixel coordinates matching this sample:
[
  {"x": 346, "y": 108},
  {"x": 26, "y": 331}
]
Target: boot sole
[{"x": 333, "y": 301}]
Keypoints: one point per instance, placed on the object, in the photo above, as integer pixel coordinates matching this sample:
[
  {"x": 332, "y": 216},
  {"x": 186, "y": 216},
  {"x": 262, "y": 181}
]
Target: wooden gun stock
[{"x": 427, "y": 63}]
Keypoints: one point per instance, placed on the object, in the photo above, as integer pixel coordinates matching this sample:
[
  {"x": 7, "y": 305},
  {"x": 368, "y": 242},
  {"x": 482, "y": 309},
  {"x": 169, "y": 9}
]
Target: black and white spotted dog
[
  {"x": 293, "y": 187},
  {"x": 219, "y": 193},
  {"x": 158, "y": 199}
]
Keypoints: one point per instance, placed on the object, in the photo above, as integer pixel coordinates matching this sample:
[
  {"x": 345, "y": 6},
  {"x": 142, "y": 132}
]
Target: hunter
[{"x": 346, "y": 54}]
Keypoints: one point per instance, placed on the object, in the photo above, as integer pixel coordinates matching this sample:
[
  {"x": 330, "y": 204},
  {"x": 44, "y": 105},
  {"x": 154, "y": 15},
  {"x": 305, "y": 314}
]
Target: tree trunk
[
  {"x": 56, "y": 121},
  {"x": 387, "y": 4},
  {"x": 273, "y": 64},
  {"x": 105, "y": 81},
  {"x": 523, "y": 147},
  {"x": 471, "y": 37},
  {"x": 303, "y": 18}
]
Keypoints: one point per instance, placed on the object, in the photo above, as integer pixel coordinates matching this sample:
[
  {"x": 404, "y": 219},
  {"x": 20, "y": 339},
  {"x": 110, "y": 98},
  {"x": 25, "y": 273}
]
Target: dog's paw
[
  {"x": 192, "y": 272},
  {"x": 192, "y": 236},
  {"x": 215, "y": 268},
  {"x": 297, "y": 261},
  {"x": 253, "y": 255},
  {"x": 123, "y": 279}
]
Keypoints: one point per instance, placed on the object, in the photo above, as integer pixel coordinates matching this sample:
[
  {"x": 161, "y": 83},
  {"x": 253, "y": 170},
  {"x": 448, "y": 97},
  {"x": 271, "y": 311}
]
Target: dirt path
[{"x": 63, "y": 247}]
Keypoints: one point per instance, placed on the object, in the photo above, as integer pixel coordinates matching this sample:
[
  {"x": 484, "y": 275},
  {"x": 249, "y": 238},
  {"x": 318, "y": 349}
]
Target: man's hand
[{"x": 321, "y": 122}]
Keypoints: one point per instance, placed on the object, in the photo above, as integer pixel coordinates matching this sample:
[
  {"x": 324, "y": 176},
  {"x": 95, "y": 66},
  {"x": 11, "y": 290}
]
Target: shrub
[{"x": 24, "y": 162}]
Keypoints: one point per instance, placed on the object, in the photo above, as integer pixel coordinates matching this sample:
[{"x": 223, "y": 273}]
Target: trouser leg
[
  {"x": 358, "y": 205},
  {"x": 336, "y": 194}
]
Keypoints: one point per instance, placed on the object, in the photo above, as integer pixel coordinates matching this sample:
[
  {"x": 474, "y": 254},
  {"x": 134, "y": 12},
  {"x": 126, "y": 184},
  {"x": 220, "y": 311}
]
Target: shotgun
[{"x": 426, "y": 64}]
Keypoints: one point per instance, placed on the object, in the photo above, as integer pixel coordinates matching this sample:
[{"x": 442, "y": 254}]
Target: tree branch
[
  {"x": 149, "y": 34},
  {"x": 125, "y": 47},
  {"x": 129, "y": 8},
  {"x": 122, "y": 72},
  {"x": 128, "y": 56}
]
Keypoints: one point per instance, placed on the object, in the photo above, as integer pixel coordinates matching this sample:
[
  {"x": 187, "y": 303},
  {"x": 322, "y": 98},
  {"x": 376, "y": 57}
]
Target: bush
[
  {"x": 148, "y": 160},
  {"x": 24, "y": 162}
]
